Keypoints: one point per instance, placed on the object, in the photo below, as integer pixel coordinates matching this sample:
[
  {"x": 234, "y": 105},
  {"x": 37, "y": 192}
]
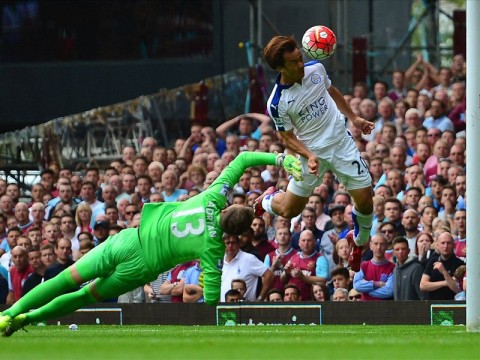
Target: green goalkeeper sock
[
  {"x": 42, "y": 294},
  {"x": 62, "y": 305}
]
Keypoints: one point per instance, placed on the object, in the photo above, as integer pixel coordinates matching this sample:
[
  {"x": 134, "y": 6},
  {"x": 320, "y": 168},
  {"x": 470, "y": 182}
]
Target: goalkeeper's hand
[
  {"x": 291, "y": 165},
  {"x": 200, "y": 280}
]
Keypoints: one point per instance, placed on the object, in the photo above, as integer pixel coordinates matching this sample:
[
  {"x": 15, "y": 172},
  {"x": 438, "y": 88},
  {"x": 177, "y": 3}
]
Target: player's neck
[{"x": 285, "y": 80}]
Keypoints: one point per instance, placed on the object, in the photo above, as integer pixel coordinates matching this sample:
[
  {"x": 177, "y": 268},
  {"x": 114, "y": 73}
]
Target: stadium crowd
[{"x": 417, "y": 249}]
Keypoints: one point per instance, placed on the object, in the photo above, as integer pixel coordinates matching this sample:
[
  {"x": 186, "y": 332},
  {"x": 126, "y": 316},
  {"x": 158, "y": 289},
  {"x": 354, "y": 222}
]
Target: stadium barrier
[{"x": 302, "y": 313}]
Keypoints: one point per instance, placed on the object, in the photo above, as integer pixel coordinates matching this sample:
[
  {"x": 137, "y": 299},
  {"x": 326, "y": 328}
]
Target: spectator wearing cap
[
  {"x": 339, "y": 231},
  {"x": 100, "y": 230}
]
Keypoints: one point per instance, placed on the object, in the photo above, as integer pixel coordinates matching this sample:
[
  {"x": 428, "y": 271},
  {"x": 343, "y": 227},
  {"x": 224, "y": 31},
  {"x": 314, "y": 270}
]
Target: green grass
[{"x": 242, "y": 342}]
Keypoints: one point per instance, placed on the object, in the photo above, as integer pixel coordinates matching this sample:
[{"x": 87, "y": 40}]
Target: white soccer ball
[{"x": 73, "y": 327}]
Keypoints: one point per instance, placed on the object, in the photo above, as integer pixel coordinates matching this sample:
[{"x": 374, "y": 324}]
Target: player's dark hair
[
  {"x": 276, "y": 47},
  {"x": 236, "y": 220}
]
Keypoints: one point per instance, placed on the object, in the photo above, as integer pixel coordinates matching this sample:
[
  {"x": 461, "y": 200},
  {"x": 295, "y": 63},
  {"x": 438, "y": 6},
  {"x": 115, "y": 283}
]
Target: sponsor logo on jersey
[
  {"x": 316, "y": 78},
  {"x": 313, "y": 110}
]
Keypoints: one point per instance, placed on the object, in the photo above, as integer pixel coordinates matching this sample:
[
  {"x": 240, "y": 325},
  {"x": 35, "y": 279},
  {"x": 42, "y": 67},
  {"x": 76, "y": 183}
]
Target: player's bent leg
[
  {"x": 362, "y": 214},
  {"x": 287, "y": 204},
  {"x": 258, "y": 208}
]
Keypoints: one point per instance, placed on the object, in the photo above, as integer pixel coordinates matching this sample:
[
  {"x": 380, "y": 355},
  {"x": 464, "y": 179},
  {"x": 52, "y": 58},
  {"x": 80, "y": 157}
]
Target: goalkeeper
[{"x": 169, "y": 234}]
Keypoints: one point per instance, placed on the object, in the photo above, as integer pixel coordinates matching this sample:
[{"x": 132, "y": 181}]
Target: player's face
[{"x": 293, "y": 67}]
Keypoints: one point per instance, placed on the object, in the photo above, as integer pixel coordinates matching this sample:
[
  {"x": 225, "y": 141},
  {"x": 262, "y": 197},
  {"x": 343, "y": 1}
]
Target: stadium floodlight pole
[{"x": 473, "y": 172}]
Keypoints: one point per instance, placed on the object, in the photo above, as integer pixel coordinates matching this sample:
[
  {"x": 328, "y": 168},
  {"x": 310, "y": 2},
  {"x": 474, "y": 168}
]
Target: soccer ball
[{"x": 319, "y": 42}]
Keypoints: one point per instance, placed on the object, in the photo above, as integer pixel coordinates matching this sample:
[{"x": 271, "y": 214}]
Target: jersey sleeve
[
  {"x": 232, "y": 173},
  {"x": 211, "y": 262}
]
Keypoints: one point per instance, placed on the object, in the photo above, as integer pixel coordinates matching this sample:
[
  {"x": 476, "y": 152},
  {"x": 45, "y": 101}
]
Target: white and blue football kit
[{"x": 310, "y": 111}]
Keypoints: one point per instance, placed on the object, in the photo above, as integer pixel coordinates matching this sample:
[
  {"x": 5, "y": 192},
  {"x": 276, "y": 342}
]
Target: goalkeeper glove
[{"x": 291, "y": 165}]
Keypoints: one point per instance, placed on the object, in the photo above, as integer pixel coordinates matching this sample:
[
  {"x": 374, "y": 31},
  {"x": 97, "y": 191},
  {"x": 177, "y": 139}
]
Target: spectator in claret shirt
[{"x": 375, "y": 279}]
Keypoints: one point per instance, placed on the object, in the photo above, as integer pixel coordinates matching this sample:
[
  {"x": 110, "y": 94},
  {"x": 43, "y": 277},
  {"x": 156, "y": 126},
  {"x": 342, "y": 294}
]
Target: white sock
[
  {"x": 267, "y": 203},
  {"x": 363, "y": 224}
]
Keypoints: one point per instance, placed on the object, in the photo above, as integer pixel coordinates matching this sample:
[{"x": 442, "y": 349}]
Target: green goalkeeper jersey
[{"x": 176, "y": 232}]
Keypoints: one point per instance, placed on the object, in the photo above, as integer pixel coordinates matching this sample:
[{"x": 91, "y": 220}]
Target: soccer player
[
  {"x": 307, "y": 111},
  {"x": 169, "y": 233}
]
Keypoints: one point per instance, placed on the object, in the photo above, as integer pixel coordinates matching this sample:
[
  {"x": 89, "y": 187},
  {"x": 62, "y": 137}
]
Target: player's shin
[
  {"x": 62, "y": 305},
  {"x": 42, "y": 294}
]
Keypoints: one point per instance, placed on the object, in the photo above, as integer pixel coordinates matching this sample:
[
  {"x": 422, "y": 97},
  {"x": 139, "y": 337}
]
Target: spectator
[
  {"x": 275, "y": 295},
  {"x": 36, "y": 277},
  {"x": 460, "y": 242},
  {"x": 437, "y": 280},
  {"x": 438, "y": 118},
  {"x": 375, "y": 279},
  {"x": 63, "y": 252},
  {"x": 340, "y": 278},
  {"x": 393, "y": 213},
  {"x": 18, "y": 273},
  {"x": 170, "y": 182},
  {"x": 427, "y": 215},
  {"x": 83, "y": 218},
  {"x": 238, "y": 264},
  {"x": 260, "y": 241},
  {"x": 175, "y": 282},
  {"x": 309, "y": 218},
  {"x": 306, "y": 267},
  {"x": 233, "y": 295},
  {"x": 320, "y": 292},
  {"x": 292, "y": 293},
  {"x": 354, "y": 295},
  {"x": 128, "y": 187},
  {"x": 339, "y": 231},
  {"x": 278, "y": 258},
  {"x": 410, "y": 222},
  {"x": 193, "y": 287},
  {"x": 22, "y": 216},
  {"x": 424, "y": 248},
  {"x": 340, "y": 294},
  {"x": 318, "y": 203},
  {"x": 398, "y": 90},
  {"x": 408, "y": 272}
]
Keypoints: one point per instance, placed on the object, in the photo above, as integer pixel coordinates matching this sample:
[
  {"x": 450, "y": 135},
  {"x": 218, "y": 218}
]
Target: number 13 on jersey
[{"x": 189, "y": 222}]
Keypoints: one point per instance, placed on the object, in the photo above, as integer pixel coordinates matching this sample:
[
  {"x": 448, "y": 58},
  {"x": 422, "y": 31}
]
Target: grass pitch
[{"x": 242, "y": 342}]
